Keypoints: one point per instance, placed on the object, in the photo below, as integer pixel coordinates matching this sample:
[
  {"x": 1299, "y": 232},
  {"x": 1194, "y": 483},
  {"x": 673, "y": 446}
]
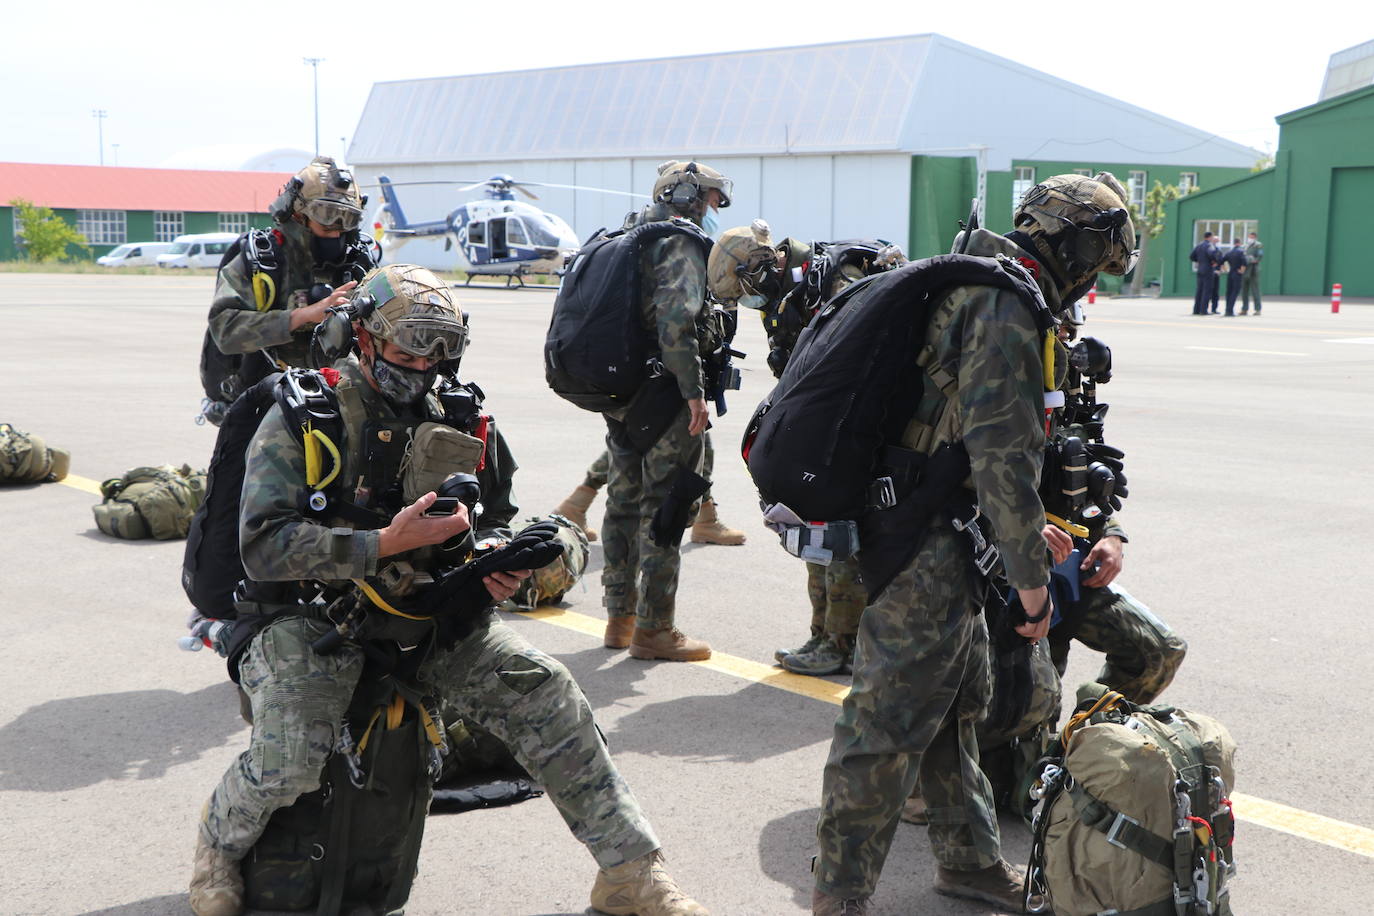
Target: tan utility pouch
[{"x": 436, "y": 452}]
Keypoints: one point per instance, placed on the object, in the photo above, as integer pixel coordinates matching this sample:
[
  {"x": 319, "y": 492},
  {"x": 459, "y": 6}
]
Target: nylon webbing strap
[{"x": 1121, "y": 830}]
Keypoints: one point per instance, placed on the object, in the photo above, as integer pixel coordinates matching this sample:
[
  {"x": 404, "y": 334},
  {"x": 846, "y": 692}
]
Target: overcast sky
[{"x": 175, "y": 78}]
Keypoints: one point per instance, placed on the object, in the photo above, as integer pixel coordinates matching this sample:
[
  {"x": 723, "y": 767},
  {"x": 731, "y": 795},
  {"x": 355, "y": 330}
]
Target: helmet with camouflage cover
[
  {"x": 1080, "y": 226},
  {"x": 683, "y": 186},
  {"x": 741, "y": 263},
  {"x": 411, "y": 307},
  {"x": 323, "y": 192}
]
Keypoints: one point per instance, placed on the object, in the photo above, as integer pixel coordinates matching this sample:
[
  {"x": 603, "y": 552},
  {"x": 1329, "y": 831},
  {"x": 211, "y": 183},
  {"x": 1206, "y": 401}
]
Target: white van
[
  {"x": 203, "y": 250},
  {"x": 134, "y": 254}
]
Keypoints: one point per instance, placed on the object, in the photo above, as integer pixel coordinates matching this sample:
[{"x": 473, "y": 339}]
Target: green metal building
[{"x": 1311, "y": 210}]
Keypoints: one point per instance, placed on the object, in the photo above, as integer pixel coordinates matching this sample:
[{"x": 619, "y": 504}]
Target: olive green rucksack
[
  {"x": 150, "y": 502},
  {"x": 26, "y": 458},
  {"x": 550, "y": 583},
  {"x": 1135, "y": 814}
]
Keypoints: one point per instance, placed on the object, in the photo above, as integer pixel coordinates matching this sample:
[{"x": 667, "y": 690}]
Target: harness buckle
[
  {"x": 1117, "y": 826},
  {"x": 987, "y": 560},
  {"x": 882, "y": 493}
]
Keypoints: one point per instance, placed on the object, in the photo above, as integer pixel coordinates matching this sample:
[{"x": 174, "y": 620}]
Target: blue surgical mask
[{"x": 709, "y": 222}]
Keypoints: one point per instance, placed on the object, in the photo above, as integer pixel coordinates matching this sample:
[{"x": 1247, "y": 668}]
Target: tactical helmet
[
  {"x": 1082, "y": 225},
  {"x": 741, "y": 262},
  {"x": 411, "y": 307},
  {"x": 683, "y": 185},
  {"x": 323, "y": 192}
]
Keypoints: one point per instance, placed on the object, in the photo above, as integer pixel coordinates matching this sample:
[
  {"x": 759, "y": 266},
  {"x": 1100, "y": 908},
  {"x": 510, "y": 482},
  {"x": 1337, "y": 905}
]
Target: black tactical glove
[
  {"x": 1106, "y": 479},
  {"x": 461, "y": 591}
]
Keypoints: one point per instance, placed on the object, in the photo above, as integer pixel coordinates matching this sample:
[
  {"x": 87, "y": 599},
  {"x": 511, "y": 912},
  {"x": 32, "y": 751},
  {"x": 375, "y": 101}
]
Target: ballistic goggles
[
  {"x": 430, "y": 338},
  {"x": 334, "y": 215}
]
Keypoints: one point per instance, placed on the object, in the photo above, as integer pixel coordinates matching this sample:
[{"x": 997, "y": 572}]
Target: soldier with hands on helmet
[
  {"x": 282, "y": 282},
  {"x": 640, "y": 574},
  {"x": 409, "y": 331},
  {"x": 921, "y": 674}
]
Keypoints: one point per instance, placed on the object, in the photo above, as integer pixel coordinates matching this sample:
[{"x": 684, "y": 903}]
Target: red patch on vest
[{"x": 1031, "y": 265}]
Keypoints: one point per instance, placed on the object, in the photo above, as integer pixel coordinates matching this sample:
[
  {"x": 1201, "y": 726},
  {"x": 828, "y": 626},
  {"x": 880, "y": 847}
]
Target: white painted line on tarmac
[
  {"x": 1294, "y": 821},
  {"x": 1354, "y": 340},
  {"x": 1237, "y": 350}
]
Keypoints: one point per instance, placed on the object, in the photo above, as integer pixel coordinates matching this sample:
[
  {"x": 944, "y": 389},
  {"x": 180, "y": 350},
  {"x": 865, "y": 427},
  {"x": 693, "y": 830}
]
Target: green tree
[
  {"x": 45, "y": 234},
  {"x": 1150, "y": 225}
]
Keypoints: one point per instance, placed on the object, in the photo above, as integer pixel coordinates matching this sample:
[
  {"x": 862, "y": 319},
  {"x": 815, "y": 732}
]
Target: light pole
[
  {"x": 115, "y": 148},
  {"x": 314, "y": 63},
  {"x": 100, "y": 114}
]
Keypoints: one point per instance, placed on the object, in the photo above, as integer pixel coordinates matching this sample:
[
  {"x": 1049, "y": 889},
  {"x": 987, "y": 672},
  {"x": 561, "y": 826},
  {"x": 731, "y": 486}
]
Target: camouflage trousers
[
  {"x": 600, "y": 470},
  {"x": 837, "y": 598},
  {"x": 1143, "y": 653},
  {"x": 640, "y": 577},
  {"x": 493, "y": 677},
  {"x": 921, "y": 683}
]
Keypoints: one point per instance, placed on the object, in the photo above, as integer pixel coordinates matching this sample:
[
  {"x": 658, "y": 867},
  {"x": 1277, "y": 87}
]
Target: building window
[
  {"x": 18, "y": 223},
  {"x": 1136, "y": 189},
  {"x": 102, "y": 227},
  {"x": 233, "y": 222},
  {"x": 1187, "y": 181},
  {"x": 1086, "y": 173},
  {"x": 1023, "y": 179},
  {"x": 167, "y": 225},
  {"x": 1226, "y": 231}
]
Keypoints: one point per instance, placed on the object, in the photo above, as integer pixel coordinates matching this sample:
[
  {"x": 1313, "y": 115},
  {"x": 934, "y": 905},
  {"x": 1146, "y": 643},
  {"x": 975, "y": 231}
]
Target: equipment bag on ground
[
  {"x": 26, "y": 458},
  {"x": 150, "y": 502},
  {"x": 597, "y": 350},
  {"x": 1134, "y": 815},
  {"x": 550, "y": 583}
]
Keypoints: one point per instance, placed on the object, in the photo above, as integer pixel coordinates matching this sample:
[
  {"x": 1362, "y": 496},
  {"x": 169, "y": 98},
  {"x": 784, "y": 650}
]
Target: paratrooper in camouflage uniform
[
  {"x": 486, "y": 673},
  {"x": 640, "y": 577},
  {"x": 921, "y": 671}
]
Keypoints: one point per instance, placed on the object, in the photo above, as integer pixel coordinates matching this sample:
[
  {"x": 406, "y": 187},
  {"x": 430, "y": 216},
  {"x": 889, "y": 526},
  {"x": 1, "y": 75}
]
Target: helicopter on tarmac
[{"x": 493, "y": 236}]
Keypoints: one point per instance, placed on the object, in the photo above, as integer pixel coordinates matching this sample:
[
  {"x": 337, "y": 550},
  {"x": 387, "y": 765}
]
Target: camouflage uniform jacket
[
  {"x": 279, "y": 544},
  {"x": 237, "y": 326},
  {"x": 983, "y": 386},
  {"x": 672, "y": 293}
]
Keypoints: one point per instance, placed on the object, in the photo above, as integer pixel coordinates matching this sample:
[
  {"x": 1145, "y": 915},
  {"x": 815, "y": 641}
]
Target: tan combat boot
[
  {"x": 216, "y": 883},
  {"x": 1002, "y": 885},
  {"x": 822, "y": 904},
  {"x": 575, "y": 507},
  {"x": 667, "y": 644},
  {"x": 708, "y": 529},
  {"x": 642, "y": 887},
  {"x": 620, "y": 629}
]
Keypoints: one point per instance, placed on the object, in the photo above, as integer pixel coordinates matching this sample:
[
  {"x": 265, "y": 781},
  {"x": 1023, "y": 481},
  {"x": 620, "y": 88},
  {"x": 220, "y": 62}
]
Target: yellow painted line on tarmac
[
  {"x": 77, "y": 482},
  {"x": 1294, "y": 821},
  {"x": 1238, "y": 350},
  {"x": 1304, "y": 824}
]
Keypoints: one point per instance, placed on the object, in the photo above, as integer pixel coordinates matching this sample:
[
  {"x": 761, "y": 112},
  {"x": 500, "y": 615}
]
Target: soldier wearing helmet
[
  {"x": 640, "y": 576},
  {"x": 281, "y": 281},
  {"x": 400, "y": 440},
  {"x": 920, "y": 679}
]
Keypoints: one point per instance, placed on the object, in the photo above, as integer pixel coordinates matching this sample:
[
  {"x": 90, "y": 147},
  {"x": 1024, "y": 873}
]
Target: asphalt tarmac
[{"x": 1248, "y": 443}]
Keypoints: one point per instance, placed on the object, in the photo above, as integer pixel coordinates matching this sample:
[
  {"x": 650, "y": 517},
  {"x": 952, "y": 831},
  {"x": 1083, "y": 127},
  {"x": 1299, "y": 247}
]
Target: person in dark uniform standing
[
  {"x": 1235, "y": 263},
  {"x": 1205, "y": 256}
]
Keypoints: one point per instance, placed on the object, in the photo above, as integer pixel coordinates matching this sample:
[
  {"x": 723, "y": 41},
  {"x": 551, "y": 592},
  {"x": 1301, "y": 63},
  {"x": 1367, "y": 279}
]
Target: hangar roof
[
  {"x": 103, "y": 187},
  {"x": 915, "y": 93}
]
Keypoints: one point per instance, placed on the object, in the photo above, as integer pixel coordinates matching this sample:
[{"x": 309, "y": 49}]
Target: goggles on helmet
[
  {"x": 333, "y": 215},
  {"x": 430, "y": 338}
]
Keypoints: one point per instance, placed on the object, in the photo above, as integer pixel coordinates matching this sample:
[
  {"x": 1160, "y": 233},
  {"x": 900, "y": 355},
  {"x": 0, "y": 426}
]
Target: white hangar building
[{"x": 824, "y": 141}]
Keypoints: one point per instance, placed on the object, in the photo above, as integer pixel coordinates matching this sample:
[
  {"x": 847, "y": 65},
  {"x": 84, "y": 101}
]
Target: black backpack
[
  {"x": 597, "y": 351},
  {"x": 816, "y": 443}
]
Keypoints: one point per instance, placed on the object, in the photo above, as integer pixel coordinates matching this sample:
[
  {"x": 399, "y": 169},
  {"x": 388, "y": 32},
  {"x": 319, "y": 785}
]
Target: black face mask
[
  {"x": 327, "y": 250},
  {"x": 399, "y": 385}
]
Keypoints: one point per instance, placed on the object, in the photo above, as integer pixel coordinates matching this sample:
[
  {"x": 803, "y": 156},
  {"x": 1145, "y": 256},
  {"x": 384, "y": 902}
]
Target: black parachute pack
[
  {"x": 597, "y": 352},
  {"x": 212, "y": 566},
  {"x": 821, "y": 442},
  {"x": 354, "y": 841}
]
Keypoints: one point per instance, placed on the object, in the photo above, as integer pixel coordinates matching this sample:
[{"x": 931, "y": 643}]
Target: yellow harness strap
[
  {"x": 314, "y": 464},
  {"x": 1066, "y": 525},
  {"x": 381, "y": 603},
  {"x": 1049, "y": 361},
  {"x": 1106, "y": 702},
  {"x": 395, "y": 715},
  {"x": 264, "y": 291}
]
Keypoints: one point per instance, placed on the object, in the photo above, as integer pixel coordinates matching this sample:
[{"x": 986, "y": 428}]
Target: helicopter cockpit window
[
  {"x": 541, "y": 235},
  {"x": 515, "y": 232},
  {"x": 477, "y": 233}
]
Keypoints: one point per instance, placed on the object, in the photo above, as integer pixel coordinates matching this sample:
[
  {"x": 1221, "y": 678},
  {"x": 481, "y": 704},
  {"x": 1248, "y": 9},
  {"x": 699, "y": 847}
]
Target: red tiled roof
[{"x": 95, "y": 187}]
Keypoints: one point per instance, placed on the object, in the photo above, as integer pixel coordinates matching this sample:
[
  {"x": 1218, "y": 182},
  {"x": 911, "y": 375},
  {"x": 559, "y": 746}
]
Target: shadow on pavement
[
  {"x": 153, "y": 906},
  {"x": 80, "y": 741}
]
